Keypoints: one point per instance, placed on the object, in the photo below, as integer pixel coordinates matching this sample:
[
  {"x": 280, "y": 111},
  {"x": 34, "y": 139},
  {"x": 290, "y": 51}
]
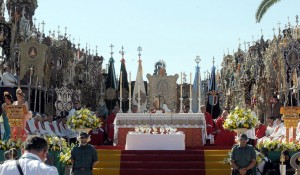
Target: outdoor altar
[{"x": 191, "y": 124}]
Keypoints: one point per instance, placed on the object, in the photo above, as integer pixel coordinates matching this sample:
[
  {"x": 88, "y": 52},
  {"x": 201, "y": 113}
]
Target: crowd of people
[{"x": 36, "y": 124}]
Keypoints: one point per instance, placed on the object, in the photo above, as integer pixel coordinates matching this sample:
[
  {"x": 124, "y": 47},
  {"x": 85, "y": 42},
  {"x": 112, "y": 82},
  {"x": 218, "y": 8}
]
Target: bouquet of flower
[
  {"x": 56, "y": 143},
  {"x": 275, "y": 145},
  {"x": 240, "y": 118},
  {"x": 6, "y": 145},
  {"x": 82, "y": 119},
  {"x": 259, "y": 157},
  {"x": 65, "y": 155}
]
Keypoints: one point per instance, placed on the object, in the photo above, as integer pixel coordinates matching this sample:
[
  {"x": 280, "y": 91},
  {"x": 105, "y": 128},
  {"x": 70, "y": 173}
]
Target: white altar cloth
[{"x": 155, "y": 142}]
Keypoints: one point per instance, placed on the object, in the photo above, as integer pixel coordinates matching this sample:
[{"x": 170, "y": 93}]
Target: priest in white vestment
[
  {"x": 271, "y": 126},
  {"x": 30, "y": 127},
  {"x": 49, "y": 126},
  {"x": 277, "y": 134}
]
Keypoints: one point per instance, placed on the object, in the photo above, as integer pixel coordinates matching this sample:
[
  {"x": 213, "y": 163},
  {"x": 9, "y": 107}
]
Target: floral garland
[
  {"x": 56, "y": 143},
  {"x": 240, "y": 118},
  {"x": 8, "y": 144},
  {"x": 276, "y": 145},
  {"x": 82, "y": 119}
]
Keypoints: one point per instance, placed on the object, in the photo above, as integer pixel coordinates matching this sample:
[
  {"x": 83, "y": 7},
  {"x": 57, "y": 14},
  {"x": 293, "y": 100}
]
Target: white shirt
[
  {"x": 9, "y": 79},
  {"x": 31, "y": 164}
]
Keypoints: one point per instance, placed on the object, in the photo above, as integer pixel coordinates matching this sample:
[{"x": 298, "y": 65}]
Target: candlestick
[
  {"x": 181, "y": 86},
  {"x": 191, "y": 85},
  {"x": 199, "y": 88},
  {"x": 190, "y": 111}
]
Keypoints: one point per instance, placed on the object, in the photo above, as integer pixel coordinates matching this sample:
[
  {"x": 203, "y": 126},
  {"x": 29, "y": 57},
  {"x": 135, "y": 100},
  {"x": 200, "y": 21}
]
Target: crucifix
[
  {"x": 43, "y": 25},
  {"x": 58, "y": 32},
  {"x": 34, "y": 19},
  {"x": 66, "y": 32},
  {"x": 122, "y": 52},
  {"x": 278, "y": 27},
  {"x": 111, "y": 50}
]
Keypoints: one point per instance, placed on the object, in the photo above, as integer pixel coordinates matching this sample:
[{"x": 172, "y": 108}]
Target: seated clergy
[
  {"x": 67, "y": 132},
  {"x": 57, "y": 128},
  {"x": 270, "y": 125},
  {"x": 32, "y": 127},
  {"x": 49, "y": 125},
  {"x": 277, "y": 134},
  {"x": 41, "y": 125},
  {"x": 279, "y": 130}
]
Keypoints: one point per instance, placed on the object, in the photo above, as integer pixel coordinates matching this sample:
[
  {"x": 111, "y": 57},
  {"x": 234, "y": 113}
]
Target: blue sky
[{"x": 173, "y": 30}]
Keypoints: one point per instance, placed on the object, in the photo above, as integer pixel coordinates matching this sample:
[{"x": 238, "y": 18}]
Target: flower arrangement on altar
[
  {"x": 65, "y": 155},
  {"x": 259, "y": 157},
  {"x": 56, "y": 143},
  {"x": 82, "y": 119},
  {"x": 6, "y": 145},
  {"x": 240, "y": 118},
  {"x": 276, "y": 145}
]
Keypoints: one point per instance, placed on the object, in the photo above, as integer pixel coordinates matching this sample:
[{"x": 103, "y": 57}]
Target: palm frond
[{"x": 263, "y": 7}]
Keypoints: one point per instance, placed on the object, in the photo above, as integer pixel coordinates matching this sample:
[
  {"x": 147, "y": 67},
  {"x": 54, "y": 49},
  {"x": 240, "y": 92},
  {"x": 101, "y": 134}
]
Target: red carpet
[{"x": 162, "y": 162}]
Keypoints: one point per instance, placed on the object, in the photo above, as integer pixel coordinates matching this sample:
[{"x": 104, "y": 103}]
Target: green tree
[{"x": 263, "y": 8}]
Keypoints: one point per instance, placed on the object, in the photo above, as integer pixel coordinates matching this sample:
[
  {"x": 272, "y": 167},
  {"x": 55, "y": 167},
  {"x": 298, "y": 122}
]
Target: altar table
[
  {"x": 155, "y": 142},
  {"x": 193, "y": 125}
]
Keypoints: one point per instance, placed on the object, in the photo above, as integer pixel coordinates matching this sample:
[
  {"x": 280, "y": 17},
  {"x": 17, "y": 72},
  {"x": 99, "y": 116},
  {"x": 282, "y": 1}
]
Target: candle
[
  {"x": 191, "y": 85},
  {"x": 129, "y": 84},
  {"x": 181, "y": 86},
  {"x": 121, "y": 86}
]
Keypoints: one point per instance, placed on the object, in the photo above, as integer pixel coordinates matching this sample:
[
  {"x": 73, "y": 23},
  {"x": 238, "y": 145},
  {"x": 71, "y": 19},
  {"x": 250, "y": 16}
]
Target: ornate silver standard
[
  {"x": 181, "y": 111},
  {"x": 139, "y": 83},
  {"x": 197, "y": 60}
]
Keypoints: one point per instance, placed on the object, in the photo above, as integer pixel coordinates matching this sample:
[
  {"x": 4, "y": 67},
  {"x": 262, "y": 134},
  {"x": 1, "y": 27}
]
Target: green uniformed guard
[
  {"x": 243, "y": 157},
  {"x": 83, "y": 156}
]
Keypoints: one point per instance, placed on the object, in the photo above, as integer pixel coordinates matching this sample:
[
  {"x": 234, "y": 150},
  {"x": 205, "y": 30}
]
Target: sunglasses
[{"x": 83, "y": 137}]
